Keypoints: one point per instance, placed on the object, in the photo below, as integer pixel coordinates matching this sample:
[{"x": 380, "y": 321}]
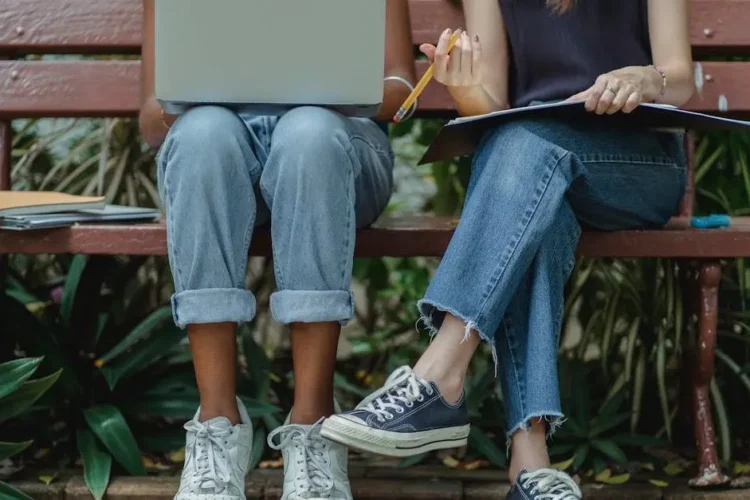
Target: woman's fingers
[
  {"x": 441, "y": 57},
  {"x": 634, "y": 100},
  {"x": 611, "y": 90},
  {"x": 429, "y": 50},
  {"x": 620, "y": 99},
  {"x": 466, "y": 58},
  {"x": 596, "y": 92},
  {"x": 476, "y": 59}
]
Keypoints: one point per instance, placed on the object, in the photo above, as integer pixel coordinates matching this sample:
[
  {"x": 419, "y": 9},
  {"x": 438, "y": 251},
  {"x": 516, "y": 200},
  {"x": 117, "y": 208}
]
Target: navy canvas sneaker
[
  {"x": 544, "y": 484},
  {"x": 408, "y": 416}
]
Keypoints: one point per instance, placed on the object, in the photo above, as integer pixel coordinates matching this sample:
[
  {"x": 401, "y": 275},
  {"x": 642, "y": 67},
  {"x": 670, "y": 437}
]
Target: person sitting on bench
[
  {"x": 316, "y": 176},
  {"x": 534, "y": 184}
]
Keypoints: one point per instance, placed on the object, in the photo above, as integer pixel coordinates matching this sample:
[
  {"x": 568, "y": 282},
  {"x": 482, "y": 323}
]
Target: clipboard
[{"x": 461, "y": 136}]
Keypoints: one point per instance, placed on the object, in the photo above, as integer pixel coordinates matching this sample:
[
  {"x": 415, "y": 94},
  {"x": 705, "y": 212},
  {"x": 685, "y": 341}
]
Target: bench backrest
[{"x": 97, "y": 88}]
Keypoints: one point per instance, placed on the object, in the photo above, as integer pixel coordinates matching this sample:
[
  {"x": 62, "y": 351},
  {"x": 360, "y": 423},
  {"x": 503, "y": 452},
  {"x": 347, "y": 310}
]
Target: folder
[
  {"x": 44, "y": 202},
  {"x": 461, "y": 136}
]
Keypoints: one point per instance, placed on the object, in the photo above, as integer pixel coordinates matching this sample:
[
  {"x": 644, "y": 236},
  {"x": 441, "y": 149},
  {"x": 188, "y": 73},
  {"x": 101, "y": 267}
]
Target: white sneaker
[
  {"x": 314, "y": 468},
  {"x": 217, "y": 455}
]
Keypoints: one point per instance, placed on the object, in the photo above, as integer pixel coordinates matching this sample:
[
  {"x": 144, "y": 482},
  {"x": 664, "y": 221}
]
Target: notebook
[
  {"x": 462, "y": 135},
  {"x": 44, "y": 202},
  {"x": 110, "y": 213}
]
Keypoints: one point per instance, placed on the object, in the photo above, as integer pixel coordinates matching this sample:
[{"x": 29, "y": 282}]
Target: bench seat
[{"x": 403, "y": 236}]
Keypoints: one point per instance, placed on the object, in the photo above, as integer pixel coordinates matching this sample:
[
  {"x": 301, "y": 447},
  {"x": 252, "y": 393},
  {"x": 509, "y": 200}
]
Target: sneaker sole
[{"x": 393, "y": 444}]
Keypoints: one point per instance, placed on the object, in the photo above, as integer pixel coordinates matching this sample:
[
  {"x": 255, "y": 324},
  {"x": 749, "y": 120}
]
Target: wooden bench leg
[{"x": 709, "y": 471}]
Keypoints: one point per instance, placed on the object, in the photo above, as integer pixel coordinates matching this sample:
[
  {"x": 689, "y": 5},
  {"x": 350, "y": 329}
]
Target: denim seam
[
  {"x": 386, "y": 152},
  {"x": 585, "y": 159},
  {"x": 170, "y": 223},
  {"x": 520, "y": 386},
  {"x": 503, "y": 263},
  {"x": 350, "y": 223},
  {"x": 277, "y": 269}
]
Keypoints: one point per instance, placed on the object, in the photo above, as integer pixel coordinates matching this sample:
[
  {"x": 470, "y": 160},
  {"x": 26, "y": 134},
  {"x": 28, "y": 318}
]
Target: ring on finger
[{"x": 614, "y": 91}]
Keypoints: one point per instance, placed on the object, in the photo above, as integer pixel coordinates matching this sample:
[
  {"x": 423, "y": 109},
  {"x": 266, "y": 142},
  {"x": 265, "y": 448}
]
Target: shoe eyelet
[
  {"x": 381, "y": 419},
  {"x": 420, "y": 398},
  {"x": 400, "y": 411},
  {"x": 410, "y": 404},
  {"x": 390, "y": 416}
]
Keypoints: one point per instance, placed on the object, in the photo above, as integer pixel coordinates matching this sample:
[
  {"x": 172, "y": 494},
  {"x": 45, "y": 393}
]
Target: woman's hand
[
  {"x": 459, "y": 69},
  {"x": 620, "y": 90}
]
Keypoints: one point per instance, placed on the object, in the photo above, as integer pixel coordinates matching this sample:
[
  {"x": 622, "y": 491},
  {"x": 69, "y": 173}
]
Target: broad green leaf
[
  {"x": 615, "y": 480},
  {"x": 72, "y": 280},
  {"x": 25, "y": 396},
  {"x": 412, "y": 461},
  {"x": 39, "y": 339},
  {"x": 603, "y": 424},
  {"x": 482, "y": 443},
  {"x": 8, "y": 450},
  {"x": 582, "y": 453},
  {"x": 162, "y": 441},
  {"x": 16, "y": 372},
  {"x": 180, "y": 407},
  {"x": 563, "y": 466},
  {"x": 637, "y": 440},
  {"x": 259, "y": 446},
  {"x": 110, "y": 427},
  {"x": 561, "y": 449},
  {"x": 673, "y": 469},
  {"x": 8, "y": 492},
  {"x": 257, "y": 409},
  {"x": 155, "y": 320},
  {"x": 342, "y": 383},
  {"x": 141, "y": 357},
  {"x": 610, "y": 449},
  {"x": 97, "y": 463},
  {"x": 658, "y": 483}
]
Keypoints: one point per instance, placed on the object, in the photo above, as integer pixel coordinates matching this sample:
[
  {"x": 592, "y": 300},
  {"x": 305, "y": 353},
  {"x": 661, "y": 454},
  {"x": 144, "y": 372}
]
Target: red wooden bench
[{"x": 111, "y": 88}]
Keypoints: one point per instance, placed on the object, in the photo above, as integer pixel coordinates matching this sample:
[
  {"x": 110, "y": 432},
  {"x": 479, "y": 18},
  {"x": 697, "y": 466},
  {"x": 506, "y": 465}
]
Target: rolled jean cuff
[
  {"x": 312, "y": 306},
  {"x": 213, "y": 305}
]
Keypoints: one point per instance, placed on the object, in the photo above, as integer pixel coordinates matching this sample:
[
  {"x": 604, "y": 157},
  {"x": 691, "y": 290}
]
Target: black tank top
[{"x": 554, "y": 56}]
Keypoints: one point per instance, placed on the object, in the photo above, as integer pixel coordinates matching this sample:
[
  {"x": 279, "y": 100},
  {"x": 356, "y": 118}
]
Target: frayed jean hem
[
  {"x": 428, "y": 310},
  {"x": 554, "y": 420}
]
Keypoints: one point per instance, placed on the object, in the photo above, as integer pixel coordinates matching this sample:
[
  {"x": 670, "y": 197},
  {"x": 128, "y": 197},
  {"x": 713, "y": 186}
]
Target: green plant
[
  {"x": 593, "y": 434},
  {"x": 126, "y": 372},
  {"x": 17, "y": 396}
]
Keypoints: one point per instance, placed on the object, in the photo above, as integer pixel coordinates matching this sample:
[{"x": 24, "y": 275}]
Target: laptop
[{"x": 268, "y": 56}]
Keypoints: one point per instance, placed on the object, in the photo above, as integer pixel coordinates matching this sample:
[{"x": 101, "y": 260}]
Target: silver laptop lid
[{"x": 269, "y": 55}]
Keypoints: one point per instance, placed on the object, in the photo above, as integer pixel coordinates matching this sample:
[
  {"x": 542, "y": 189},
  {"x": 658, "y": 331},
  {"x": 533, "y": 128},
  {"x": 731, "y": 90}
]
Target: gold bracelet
[{"x": 663, "y": 75}]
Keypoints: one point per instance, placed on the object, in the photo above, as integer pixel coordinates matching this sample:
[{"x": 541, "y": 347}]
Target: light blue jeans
[
  {"x": 534, "y": 184},
  {"x": 315, "y": 175}
]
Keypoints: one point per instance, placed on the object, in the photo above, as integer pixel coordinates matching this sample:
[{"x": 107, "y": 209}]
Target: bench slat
[
  {"x": 111, "y": 88},
  {"x": 416, "y": 236},
  {"x": 114, "y": 26}
]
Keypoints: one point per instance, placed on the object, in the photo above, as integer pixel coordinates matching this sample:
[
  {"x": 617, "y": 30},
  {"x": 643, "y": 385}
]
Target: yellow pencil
[{"x": 409, "y": 102}]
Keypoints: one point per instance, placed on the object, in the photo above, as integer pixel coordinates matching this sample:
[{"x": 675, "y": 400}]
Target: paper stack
[{"x": 26, "y": 210}]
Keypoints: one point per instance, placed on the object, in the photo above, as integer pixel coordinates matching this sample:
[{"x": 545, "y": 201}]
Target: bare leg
[
  {"x": 447, "y": 359},
  {"x": 529, "y": 449},
  {"x": 314, "y": 352},
  {"x": 214, "y": 348}
]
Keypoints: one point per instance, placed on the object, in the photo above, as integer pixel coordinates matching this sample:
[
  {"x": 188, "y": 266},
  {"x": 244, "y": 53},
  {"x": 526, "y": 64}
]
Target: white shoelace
[
  {"x": 314, "y": 477},
  {"x": 210, "y": 451},
  {"x": 401, "y": 389},
  {"x": 551, "y": 484}
]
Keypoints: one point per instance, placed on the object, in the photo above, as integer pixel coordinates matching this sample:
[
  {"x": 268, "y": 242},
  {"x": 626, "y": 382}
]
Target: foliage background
[{"x": 126, "y": 383}]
